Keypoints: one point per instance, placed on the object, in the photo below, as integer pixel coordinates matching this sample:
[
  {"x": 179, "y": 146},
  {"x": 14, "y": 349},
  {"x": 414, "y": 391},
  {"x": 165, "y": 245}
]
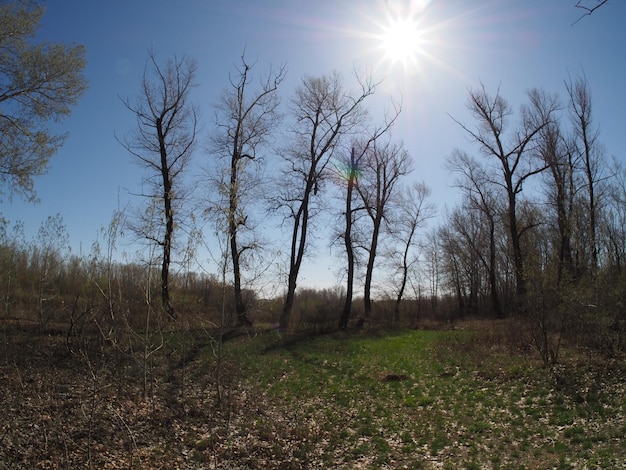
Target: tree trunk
[
  {"x": 298, "y": 244},
  {"x": 285, "y": 316},
  {"x": 518, "y": 259},
  {"x": 240, "y": 306},
  {"x": 347, "y": 307},
  {"x": 233, "y": 227},
  {"x": 169, "y": 223},
  {"x": 405, "y": 274},
  {"x": 367, "y": 302},
  {"x": 493, "y": 284}
]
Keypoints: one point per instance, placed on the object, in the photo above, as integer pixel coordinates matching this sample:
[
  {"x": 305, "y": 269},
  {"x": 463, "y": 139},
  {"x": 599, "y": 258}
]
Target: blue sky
[{"x": 507, "y": 43}]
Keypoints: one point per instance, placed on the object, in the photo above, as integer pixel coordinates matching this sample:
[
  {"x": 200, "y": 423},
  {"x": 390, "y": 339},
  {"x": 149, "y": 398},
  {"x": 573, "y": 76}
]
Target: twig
[
  {"x": 130, "y": 434},
  {"x": 588, "y": 10},
  {"x": 5, "y": 434}
]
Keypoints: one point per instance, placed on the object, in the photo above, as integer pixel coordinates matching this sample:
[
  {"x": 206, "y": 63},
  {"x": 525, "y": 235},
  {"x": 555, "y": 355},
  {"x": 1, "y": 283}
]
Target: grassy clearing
[
  {"x": 357, "y": 399},
  {"x": 421, "y": 399}
]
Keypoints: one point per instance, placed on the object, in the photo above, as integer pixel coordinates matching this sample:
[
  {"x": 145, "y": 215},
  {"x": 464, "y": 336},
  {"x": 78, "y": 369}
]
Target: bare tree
[
  {"x": 413, "y": 211},
  {"x": 383, "y": 168},
  {"x": 351, "y": 178},
  {"x": 49, "y": 254},
  {"x": 513, "y": 156},
  {"x": 589, "y": 152},
  {"x": 446, "y": 258},
  {"x": 479, "y": 195},
  {"x": 348, "y": 172},
  {"x": 245, "y": 120},
  {"x": 561, "y": 160},
  {"x": 469, "y": 234},
  {"x": 162, "y": 144},
  {"x": 614, "y": 221},
  {"x": 433, "y": 264},
  {"x": 324, "y": 111}
]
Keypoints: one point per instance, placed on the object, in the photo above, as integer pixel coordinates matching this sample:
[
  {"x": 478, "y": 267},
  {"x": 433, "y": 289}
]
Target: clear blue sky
[{"x": 508, "y": 43}]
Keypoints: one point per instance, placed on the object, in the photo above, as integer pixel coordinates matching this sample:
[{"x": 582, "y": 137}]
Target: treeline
[
  {"x": 539, "y": 235},
  {"x": 540, "y": 232},
  {"x": 46, "y": 286}
]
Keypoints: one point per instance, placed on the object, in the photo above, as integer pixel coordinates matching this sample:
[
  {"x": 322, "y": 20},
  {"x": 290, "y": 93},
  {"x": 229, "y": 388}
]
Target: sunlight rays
[{"x": 405, "y": 39}]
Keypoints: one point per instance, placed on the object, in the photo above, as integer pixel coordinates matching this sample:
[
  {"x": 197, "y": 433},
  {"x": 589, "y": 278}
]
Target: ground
[{"x": 360, "y": 399}]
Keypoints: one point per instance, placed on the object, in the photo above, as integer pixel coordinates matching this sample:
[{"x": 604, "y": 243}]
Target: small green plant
[{"x": 384, "y": 396}]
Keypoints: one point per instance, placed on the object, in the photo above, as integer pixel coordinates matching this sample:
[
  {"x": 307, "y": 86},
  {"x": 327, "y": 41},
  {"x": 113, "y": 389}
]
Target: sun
[
  {"x": 405, "y": 40},
  {"x": 401, "y": 41}
]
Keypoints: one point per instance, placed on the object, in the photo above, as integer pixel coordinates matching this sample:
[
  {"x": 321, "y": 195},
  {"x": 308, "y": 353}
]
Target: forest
[{"x": 524, "y": 279}]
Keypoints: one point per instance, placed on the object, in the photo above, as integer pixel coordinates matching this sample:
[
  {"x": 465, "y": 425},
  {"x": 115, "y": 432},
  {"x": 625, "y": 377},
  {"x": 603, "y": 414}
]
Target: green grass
[{"x": 417, "y": 399}]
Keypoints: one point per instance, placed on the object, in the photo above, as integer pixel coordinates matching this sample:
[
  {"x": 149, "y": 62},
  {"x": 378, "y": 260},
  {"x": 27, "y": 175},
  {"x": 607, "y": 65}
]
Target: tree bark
[
  {"x": 233, "y": 227},
  {"x": 169, "y": 222},
  {"x": 298, "y": 244},
  {"x": 369, "y": 270},
  {"x": 347, "y": 238}
]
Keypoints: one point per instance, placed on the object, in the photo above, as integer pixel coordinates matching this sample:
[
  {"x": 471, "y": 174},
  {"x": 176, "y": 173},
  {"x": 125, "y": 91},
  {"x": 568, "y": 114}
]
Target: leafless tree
[
  {"x": 162, "y": 144},
  {"x": 446, "y": 259},
  {"x": 471, "y": 233},
  {"x": 384, "y": 166},
  {"x": 245, "y": 120},
  {"x": 50, "y": 248},
  {"x": 510, "y": 153},
  {"x": 589, "y": 151},
  {"x": 479, "y": 195},
  {"x": 561, "y": 159},
  {"x": 614, "y": 221},
  {"x": 323, "y": 111},
  {"x": 348, "y": 176},
  {"x": 413, "y": 210},
  {"x": 351, "y": 179}
]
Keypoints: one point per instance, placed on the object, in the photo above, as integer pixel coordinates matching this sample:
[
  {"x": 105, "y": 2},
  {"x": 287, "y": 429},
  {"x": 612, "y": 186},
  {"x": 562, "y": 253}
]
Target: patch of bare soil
[
  {"x": 97, "y": 410},
  {"x": 111, "y": 410}
]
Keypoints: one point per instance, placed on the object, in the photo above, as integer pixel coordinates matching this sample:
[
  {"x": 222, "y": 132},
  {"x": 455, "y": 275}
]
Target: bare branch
[{"x": 588, "y": 10}]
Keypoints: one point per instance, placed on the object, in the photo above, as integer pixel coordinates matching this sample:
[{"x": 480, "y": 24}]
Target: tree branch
[{"x": 588, "y": 10}]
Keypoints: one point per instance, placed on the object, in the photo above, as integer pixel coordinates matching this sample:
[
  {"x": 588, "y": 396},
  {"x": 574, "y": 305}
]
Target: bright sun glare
[
  {"x": 405, "y": 38},
  {"x": 401, "y": 40}
]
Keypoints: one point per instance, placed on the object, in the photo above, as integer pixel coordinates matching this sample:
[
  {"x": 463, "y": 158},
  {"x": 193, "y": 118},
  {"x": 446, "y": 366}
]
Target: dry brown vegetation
[{"x": 461, "y": 399}]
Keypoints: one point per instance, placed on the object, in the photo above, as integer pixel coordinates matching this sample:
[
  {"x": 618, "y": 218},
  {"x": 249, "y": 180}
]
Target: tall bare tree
[
  {"x": 163, "y": 144},
  {"x": 479, "y": 195},
  {"x": 511, "y": 154},
  {"x": 348, "y": 172},
  {"x": 323, "y": 111},
  {"x": 562, "y": 161},
  {"x": 245, "y": 120},
  {"x": 384, "y": 166},
  {"x": 589, "y": 152},
  {"x": 413, "y": 211},
  {"x": 351, "y": 179},
  {"x": 38, "y": 83}
]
